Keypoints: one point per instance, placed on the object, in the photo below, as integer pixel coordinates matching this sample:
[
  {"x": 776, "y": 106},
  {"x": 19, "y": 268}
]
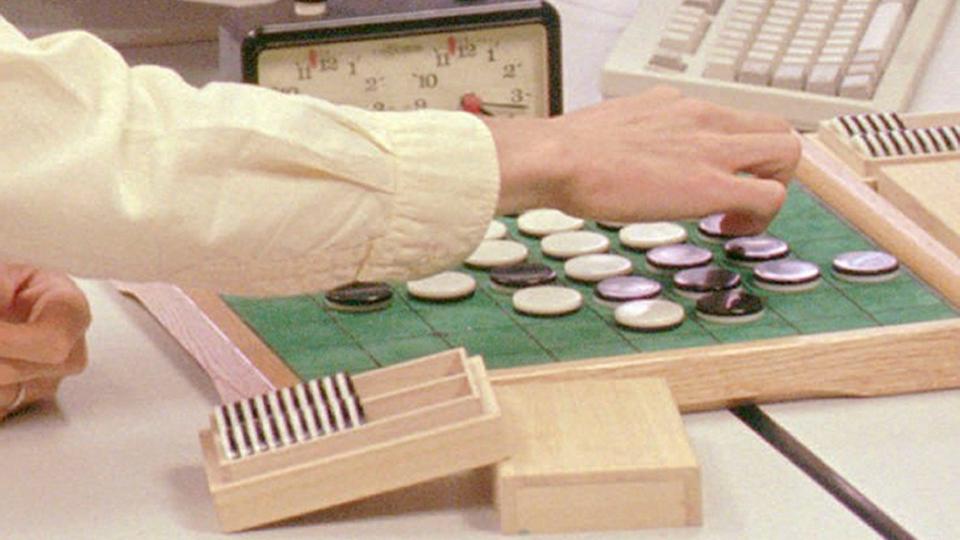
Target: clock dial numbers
[{"x": 493, "y": 71}]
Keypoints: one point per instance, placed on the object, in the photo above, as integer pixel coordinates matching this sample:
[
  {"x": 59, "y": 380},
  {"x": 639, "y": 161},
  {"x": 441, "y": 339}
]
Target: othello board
[{"x": 315, "y": 340}]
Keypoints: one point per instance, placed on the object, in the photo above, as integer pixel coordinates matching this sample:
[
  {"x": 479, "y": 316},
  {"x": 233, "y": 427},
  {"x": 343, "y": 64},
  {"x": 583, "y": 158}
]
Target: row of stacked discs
[{"x": 637, "y": 301}]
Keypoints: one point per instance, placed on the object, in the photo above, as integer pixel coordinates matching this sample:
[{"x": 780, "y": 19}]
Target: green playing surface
[{"x": 315, "y": 340}]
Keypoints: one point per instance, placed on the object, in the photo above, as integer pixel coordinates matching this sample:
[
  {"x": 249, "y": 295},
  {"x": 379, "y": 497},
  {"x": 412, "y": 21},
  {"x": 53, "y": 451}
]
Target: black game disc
[
  {"x": 627, "y": 288},
  {"x": 709, "y": 229},
  {"x": 360, "y": 296},
  {"x": 730, "y": 307},
  {"x": 787, "y": 275},
  {"x": 755, "y": 249},
  {"x": 705, "y": 280},
  {"x": 678, "y": 257},
  {"x": 865, "y": 266},
  {"x": 518, "y": 276}
]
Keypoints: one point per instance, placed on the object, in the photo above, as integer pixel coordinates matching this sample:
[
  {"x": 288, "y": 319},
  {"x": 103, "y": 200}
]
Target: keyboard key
[
  {"x": 824, "y": 79},
  {"x": 864, "y": 69},
  {"x": 859, "y": 86},
  {"x": 710, "y": 6},
  {"x": 883, "y": 31},
  {"x": 871, "y": 58},
  {"x": 687, "y": 10},
  {"x": 755, "y": 71},
  {"x": 790, "y": 75},
  {"x": 790, "y": 5},
  {"x": 678, "y": 40},
  {"x": 668, "y": 59},
  {"x": 721, "y": 66}
]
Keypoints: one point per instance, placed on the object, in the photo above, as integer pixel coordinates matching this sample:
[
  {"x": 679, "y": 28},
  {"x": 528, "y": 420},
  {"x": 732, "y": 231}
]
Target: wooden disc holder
[{"x": 425, "y": 419}]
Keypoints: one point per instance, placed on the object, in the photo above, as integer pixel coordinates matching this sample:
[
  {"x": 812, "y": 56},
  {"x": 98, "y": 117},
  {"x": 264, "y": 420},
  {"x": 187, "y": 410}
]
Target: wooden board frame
[
  {"x": 427, "y": 418},
  {"x": 857, "y": 363}
]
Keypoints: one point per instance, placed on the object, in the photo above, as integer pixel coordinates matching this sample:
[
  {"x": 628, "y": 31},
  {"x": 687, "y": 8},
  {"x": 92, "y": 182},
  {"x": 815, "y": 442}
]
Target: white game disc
[
  {"x": 444, "y": 286},
  {"x": 574, "y": 243},
  {"x": 547, "y": 300},
  {"x": 495, "y": 231},
  {"x": 544, "y": 221},
  {"x": 650, "y": 315},
  {"x": 643, "y": 236},
  {"x": 597, "y": 267},
  {"x": 491, "y": 253}
]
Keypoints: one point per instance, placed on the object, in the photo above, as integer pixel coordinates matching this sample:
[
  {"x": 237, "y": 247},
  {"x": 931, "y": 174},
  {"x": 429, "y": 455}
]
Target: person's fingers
[
  {"x": 50, "y": 315},
  {"x": 663, "y": 93},
  {"x": 12, "y": 277},
  {"x": 17, "y": 396},
  {"x": 8, "y": 395},
  {"x": 764, "y": 155},
  {"x": 732, "y": 121},
  {"x": 749, "y": 204},
  {"x": 13, "y": 370},
  {"x": 77, "y": 359}
]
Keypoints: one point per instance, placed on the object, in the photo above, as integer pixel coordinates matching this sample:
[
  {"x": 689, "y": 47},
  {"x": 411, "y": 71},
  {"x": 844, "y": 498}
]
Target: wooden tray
[{"x": 425, "y": 419}]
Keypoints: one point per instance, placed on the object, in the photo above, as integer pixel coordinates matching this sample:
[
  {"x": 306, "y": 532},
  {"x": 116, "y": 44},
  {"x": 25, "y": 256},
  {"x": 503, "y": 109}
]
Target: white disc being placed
[
  {"x": 597, "y": 267},
  {"x": 444, "y": 286},
  {"x": 645, "y": 236},
  {"x": 495, "y": 231},
  {"x": 650, "y": 315},
  {"x": 491, "y": 253},
  {"x": 574, "y": 243},
  {"x": 547, "y": 300},
  {"x": 544, "y": 221}
]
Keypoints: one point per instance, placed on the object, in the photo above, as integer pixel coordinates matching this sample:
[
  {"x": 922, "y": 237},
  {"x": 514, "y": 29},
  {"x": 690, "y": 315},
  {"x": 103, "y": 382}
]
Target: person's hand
[
  {"x": 43, "y": 319},
  {"x": 654, "y": 156}
]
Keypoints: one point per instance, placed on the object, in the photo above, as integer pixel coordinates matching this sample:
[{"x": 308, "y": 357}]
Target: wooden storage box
[
  {"x": 595, "y": 455},
  {"x": 425, "y": 419},
  {"x": 867, "y": 167}
]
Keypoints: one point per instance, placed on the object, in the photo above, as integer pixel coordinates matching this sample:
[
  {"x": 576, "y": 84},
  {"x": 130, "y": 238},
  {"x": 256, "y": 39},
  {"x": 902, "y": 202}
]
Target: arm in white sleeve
[{"x": 130, "y": 173}]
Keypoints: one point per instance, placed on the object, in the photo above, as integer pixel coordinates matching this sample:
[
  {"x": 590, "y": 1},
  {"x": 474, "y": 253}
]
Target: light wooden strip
[
  {"x": 222, "y": 348},
  {"x": 413, "y": 397},
  {"x": 250, "y": 346},
  {"x": 860, "y": 363}
]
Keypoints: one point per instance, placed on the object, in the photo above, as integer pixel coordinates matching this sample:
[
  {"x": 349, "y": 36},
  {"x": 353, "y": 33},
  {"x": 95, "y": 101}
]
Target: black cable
[{"x": 820, "y": 472}]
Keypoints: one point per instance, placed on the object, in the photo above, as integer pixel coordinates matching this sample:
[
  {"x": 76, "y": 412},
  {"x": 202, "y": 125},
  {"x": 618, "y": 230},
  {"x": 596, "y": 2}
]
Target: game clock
[{"x": 496, "y": 58}]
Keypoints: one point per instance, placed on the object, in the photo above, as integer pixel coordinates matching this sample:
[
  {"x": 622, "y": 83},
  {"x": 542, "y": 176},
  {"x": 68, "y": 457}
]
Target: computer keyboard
[{"x": 807, "y": 60}]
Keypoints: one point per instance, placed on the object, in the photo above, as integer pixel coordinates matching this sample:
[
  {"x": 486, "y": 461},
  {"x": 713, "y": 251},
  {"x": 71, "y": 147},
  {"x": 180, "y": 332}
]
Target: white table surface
[
  {"x": 900, "y": 452},
  {"x": 117, "y": 457}
]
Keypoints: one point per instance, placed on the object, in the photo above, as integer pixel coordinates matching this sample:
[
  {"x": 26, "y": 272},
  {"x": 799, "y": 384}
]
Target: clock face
[{"x": 500, "y": 71}]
